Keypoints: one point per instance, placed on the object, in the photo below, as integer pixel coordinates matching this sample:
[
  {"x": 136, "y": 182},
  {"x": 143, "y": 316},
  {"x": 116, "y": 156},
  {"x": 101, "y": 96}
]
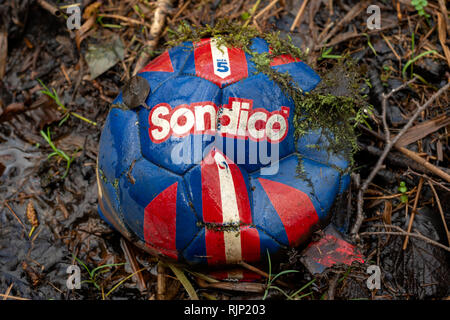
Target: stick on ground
[{"x": 387, "y": 149}]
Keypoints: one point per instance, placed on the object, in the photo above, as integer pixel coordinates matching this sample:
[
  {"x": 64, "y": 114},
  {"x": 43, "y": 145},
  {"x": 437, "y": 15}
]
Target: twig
[
  {"x": 8, "y": 291},
  {"x": 180, "y": 11},
  {"x": 440, "y": 210},
  {"x": 402, "y": 232},
  {"x": 14, "y": 214},
  {"x": 238, "y": 286},
  {"x": 387, "y": 149},
  {"x": 262, "y": 273},
  {"x": 252, "y": 13},
  {"x": 412, "y": 155},
  {"x": 413, "y": 213},
  {"x": 126, "y": 19},
  {"x": 130, "y": 255},
  {"x": 50, "y": 8},
  {"x": 332, "y": 287},
  {"x": 159, "y": 19},
  {"x": 387, "y": 133},
  {"x": 428, "y": 178},
  {"x": 161, "y": 282},
  {"x": 425, "y": 163},
  {"x": 299, "y": 15},
  {"x": 12, "y": 297},
  {"x": 344, "y": 21},
  {"x": 267, "y": 8}
]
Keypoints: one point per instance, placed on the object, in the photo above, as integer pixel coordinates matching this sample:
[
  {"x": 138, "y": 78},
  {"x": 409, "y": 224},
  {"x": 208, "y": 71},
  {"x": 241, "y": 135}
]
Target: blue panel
[
  {"x": 150, "y": 181},
  {"x": 179, "y": 55},
  {"x": 266, "y": 219},
  {"x": 110, "y": 202},
  {"x": 259, "y": 45},
  {"x": 119, "y": 143},
  {"x": 156, "y": 79},
  {"x": 265, "y": 95},
  {"x": 268, "y": 244},
  {"x": 195, "y": 253},
  {"x": 301, "y": 73},
  {"x": 177, "y": 154},
  {"x": 193, "y": 180},
  {"x": 321, "y": 186},
  {"x": 307, "y": 147},
  {"x": 189, "y": 66}
]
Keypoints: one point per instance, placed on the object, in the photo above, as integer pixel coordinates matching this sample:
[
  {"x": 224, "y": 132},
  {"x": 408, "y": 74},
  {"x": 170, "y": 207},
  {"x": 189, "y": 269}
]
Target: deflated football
[{"x": 204, "y": 171}]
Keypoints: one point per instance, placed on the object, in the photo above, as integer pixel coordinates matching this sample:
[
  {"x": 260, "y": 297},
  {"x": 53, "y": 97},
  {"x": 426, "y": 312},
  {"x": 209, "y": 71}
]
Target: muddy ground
[{"x": 40, "y": 46}]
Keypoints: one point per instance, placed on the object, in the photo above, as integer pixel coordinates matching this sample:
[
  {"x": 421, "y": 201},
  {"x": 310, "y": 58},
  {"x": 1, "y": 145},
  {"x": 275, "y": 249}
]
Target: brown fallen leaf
[
  {"x": 387, "y": 214},
  {"x": 442, "y": 32},
  {"x": 3, "y": 51},
  {"x": 32, "y": 274},
  {"x": 32, "y": 215},
  {"x": 422, "y": 130}
]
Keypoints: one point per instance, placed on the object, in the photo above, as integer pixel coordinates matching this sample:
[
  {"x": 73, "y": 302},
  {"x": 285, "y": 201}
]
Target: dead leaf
[
  {"x": 102, "y": 57},
  {"x": 80, "y": 35},
  {"x": 91, "y": 10},
  {"x": 442, "y": 31},
  {"x": 387, "y": 214},
  {"x": 422, "y": 130},
  {"x": 31, "y": 215},
  {"x": 3, "y": 52}
]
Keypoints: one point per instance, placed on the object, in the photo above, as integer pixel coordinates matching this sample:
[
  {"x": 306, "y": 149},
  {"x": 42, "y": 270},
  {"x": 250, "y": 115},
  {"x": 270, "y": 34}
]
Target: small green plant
[
  {"x": 57, "y": 152},
  {"x": 403, "y": 189},
  {"x": 94, "y": 273},
  {"x": 271, "y": 279},
  {"x": 385, "y": 75},
  {"x": 326, "y": 55},
  {"x": 420, "y": 6},
  {"x": 369, "y": 43},
  {"x": 413, "y": 60},
  {"x": 245, "y": 16},
  {"x": 107, "y": 25},
  {"x": 54, "y": 95}
]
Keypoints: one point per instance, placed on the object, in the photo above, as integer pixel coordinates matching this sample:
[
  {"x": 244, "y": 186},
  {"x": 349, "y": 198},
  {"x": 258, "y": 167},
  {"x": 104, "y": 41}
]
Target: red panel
[
  {"x": 250, "y": 244},
  {"x": 296, "y": 211},
  {"x": 215, "y": 247},
  {"x": 161, "y": 63},
  {"x": 160, "y": 221},
  {"x": 283, "y": 59},
  {"x": 211, "y": 200},
  {"x": 212, "y": 210},
  {"x": 332, "y": 250},
  {"x": 238, "y": 62},
  {"x": 204, "y": 65}
]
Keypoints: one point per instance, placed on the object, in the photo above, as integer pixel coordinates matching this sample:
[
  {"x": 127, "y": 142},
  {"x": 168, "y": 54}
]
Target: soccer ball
[{"x": 207, "y": 174}]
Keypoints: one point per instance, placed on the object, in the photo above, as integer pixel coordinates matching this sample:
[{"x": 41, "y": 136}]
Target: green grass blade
[
  {"x": 303, "y": 288},
  {"x": 107, "y": 266},
  {"x": 184, "y": 281},
  {"x": 405, "y": 68},
  {"x": 84, "y": 265},
  {"x": 283, "y": 273},
  {"x": 122, "y": 281}
]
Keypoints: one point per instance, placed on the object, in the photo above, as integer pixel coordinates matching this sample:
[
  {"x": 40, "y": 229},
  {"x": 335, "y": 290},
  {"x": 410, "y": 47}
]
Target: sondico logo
[{"x": 238, "y": 120}]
